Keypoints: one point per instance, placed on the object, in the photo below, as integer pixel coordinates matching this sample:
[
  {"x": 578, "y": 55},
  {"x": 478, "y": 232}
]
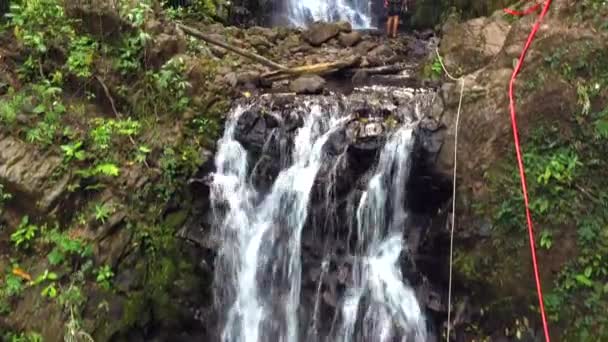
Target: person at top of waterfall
[{"x": 394, "y": 8}]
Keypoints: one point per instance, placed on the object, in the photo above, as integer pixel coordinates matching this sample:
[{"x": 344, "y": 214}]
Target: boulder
[
  {"x": 365, "y": 46},
  {"x": 344, "y": 26},
  {"x": 269, "y": 34},
  {"x": 470, "y": 45},
  {"x": 31, "y": 174},
  {"x": 349, "y": 39},
  {"x": 164, "y": 47},
  {"x": 309, "y": 84},
  {"x": 379, "y": 55},
  {"x": 319, "y": 33}
]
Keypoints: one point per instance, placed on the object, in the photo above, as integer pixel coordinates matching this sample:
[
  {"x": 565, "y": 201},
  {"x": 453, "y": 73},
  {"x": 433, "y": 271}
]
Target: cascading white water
[
  {"x": 259, "y": 266},
  {"x": 393, "y": 310},
  {"x": 302, "y": 12},
  {"x": 266, "y": 235}
]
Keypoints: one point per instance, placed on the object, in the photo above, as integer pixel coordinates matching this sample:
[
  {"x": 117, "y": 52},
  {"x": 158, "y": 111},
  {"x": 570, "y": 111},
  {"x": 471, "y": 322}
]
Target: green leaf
[
  {"x": 108, "y": 169},
  {"x": 55, "y": 257},
  {"x": 582, "y": 279},
  {"x": 601, "y": 127},
  {"x": 39, "y": 109}
]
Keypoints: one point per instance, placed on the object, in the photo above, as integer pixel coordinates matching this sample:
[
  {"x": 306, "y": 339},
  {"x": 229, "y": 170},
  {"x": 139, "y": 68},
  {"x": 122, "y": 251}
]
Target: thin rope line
[{"x": 453, "y": 218}]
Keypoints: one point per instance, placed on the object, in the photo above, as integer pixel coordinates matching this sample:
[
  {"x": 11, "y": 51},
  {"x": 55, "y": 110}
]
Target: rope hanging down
[
  {"x": 453, "y": 221},
  {"x": 520, "y": 162}
]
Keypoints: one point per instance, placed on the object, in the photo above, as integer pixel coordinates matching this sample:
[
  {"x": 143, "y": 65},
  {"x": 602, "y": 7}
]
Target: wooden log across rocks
[{"x": 279, "y": 72}]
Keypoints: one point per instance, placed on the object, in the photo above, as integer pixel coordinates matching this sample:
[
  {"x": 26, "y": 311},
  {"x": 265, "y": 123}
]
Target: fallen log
[
  {"x": 381, "y": 70},
  {"x": 248, "y": 54},
  {"x": 313, "y": 69}
]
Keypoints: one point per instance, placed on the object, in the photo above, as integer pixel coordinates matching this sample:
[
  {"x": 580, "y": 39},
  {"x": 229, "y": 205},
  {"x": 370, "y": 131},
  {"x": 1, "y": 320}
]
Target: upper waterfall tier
[{"x": 302, "y": 12}]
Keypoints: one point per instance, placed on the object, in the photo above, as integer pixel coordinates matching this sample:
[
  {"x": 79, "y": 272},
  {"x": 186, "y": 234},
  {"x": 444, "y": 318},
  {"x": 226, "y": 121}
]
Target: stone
[
  {"x": 269, "y": 34},
  {"x": 30, "y": 173},
  {"x": 164, "y": 47},
  {"x": 349, "y": 39},
  {"x": 344, "y": 26},
  {"x": 248, "y": 77},
  {"x": 260, "y": 43},
  {"x": 312, "y": 84},
  {"x": 470, "y": 45},
  {"x": 320, "y": 32},
  {"x": 365, "y": 46},
  {"x": 380, "y": 55},
  {"x": 98, "y": 18}
]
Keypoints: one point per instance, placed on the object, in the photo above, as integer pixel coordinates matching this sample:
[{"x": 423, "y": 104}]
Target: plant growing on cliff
[
  {"x": 82, "y": 54},
  {"x": 104, "y": 277},
  {"x": 73, "y": 151},
  {"x": 4, "y": 195},
  {"x": 103, "y": 212},
  {"x": 65, "y": 246},
  {"x": 39, "y": 24},
  {"x": 23, "y": 337},
  {"x": 25, "y": 233}
]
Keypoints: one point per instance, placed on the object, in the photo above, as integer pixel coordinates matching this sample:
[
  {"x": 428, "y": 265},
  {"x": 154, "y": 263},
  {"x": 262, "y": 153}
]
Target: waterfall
[
  {"x": 302, "y": 12},
  {"x": 259, "y": 264},
  {"x": 380, "y": 221}
]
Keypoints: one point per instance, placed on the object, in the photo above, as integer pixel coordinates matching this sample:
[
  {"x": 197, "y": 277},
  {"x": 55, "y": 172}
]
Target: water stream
[
  {"x": 302, "y": 12},
  {"x": 259, "y": 267}
]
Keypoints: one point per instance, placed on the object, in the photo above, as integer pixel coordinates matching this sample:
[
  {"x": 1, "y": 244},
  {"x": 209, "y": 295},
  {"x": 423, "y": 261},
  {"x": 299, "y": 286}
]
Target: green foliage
[
  {"x": 10, "y": 108},
  {"x": 4, "y": 196},
  {"x": 130, "y": 53},
  {"x": 73, "y": 151},
  {"x": 103, "y": 212},
  {"x": 546, "y": 239},
  {"x": 567, "y": 184},
  {"x": 25, "y": 234},
  {"x": 202, "y": 10},
  {"x": 163, "y": 92},
  {"x": 40, "y": 24},
  {"x": 106, "y": 130},
  {"x": 64, "y": 247},
  {"x": 23, "y": 337},
  {"x": 50, "y": 278},
  {"x": 46, "y": 96},
  {"x": 104, "y": 277},
  {"x": 82, "y": 54},
  {"x": 433, "y": 69}
]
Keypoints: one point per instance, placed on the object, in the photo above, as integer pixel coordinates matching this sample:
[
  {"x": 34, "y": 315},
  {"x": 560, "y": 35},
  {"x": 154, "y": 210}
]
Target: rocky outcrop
[
  {"x": 472, "y": 44},
  {"x": 350, "y": 39},
  {"x": 312, "y": 84},
  {"x": 320, "y": 32},
  {"x": 546, "y": 97},
  {"x": 31, "y": 175}
]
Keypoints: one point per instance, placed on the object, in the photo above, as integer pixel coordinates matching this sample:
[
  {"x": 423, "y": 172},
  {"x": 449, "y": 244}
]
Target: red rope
[{"x": 520, "y": 162}]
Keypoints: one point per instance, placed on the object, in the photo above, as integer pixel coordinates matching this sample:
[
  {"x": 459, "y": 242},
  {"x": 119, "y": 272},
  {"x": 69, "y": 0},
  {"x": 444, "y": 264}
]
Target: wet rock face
[{"x": 267, "y": 130}]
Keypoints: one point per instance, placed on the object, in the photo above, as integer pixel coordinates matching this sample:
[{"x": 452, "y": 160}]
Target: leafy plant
[
  {"x": 165, "y": 91},
  {"x": 82, "y": 53},
  {"x": 11, "y": 106},
  {"x": 546, "y": 239},
  {"x": 73, "y": 151},
  {"x": 105, "y": 130},
  {"x": 39, "y": 24},
  {"x": 4, "y": 195},
  {"x": 103, "y": 212},
  {"x": 25, "y": 233},
  {"x": 23, "y": 337},
  {"x": 104, "y": 276},
  {"x": 65, "y": 246},
  {"x": 142, "y": 154},
  {"x": 50, "y": 290}
]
